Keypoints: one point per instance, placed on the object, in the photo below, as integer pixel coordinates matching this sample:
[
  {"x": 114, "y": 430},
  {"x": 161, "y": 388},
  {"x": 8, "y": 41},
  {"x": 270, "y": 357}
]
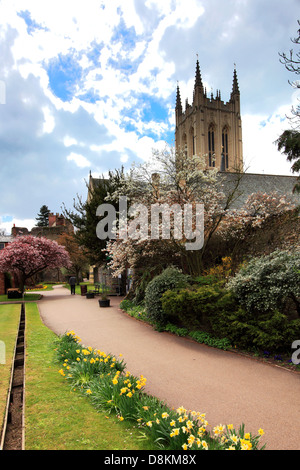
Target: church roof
[{"x": 254, "y": 182}]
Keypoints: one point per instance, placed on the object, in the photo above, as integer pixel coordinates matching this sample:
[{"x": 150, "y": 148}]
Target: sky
[{"x": 91, "y": 86}]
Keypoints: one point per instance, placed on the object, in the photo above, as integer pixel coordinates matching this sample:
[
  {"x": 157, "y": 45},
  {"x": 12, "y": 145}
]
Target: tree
[
  {"x": 259, "y": 208},
  {"x": 83, "y": 216},
  {"x": 289, "y": 144},
  {"x": 77, "y": 253},
  {"x": 27, "y": 255},
  {"x": 43, "y": 217},
  {"x": 171, "y": 179},
  {"x": 292, "y": 64},
  {"x": 289, "y": 141}
]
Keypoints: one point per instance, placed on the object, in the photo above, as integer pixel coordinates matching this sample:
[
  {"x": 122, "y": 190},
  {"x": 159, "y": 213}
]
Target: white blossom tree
[{"x": 170, "y": 179}]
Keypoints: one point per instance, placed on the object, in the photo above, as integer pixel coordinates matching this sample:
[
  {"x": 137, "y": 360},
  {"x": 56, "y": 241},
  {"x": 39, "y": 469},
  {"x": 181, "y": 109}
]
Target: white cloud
[
  {"x": 79, "y": 160},
  {"x": 260, "y": 133},
  {"x": 69, "y": 141}
]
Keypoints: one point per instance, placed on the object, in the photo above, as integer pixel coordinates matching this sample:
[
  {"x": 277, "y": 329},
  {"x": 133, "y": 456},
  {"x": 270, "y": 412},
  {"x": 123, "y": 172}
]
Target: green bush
[
  {"x": 196, "y": 308},
  {"x": 272, "y": 331},
  {"x": 175, "y": 330},
  {"x": 133, "y": 309},
  {"x": 269, "y": 283},
  {"x": 127, "y": 304},
  {"x": 170, "y": 278},
  {"x": 190, "y": 308},
  {"x": 202, "y": 337}
]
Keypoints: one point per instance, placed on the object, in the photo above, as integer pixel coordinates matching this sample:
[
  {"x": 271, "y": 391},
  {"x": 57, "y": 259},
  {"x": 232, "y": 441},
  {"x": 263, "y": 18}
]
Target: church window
[
  {"x": 193, "y": 141},
  {"x": 211, "y": 146},
  {"x": 184, "y": 143},
  {"x": 225, "y": 145}
]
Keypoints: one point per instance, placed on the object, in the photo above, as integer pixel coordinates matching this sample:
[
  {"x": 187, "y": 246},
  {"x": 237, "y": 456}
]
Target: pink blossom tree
[{"x": 28, "y": 255}]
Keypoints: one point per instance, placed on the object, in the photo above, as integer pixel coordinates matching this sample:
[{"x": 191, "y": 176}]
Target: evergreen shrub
[
  {"x": 171, "y": 278},
  {"x": 197, "y": 307},
  {"x": 272, "y": 331}
]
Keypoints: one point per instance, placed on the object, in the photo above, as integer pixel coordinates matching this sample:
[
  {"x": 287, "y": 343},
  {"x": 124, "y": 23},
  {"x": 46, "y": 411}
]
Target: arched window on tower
[
  {"x": 192, "y": 142},
  {"x": 184, "y": 143},
  {"x": 211, "y": 146},
  {"x": 225, "y": 146}
]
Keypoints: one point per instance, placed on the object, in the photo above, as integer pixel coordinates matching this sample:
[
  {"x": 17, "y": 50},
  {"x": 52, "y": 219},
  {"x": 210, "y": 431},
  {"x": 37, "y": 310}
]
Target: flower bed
[
  {"x": 37, "y": 287},
  {"x": 103, "y": 379}
]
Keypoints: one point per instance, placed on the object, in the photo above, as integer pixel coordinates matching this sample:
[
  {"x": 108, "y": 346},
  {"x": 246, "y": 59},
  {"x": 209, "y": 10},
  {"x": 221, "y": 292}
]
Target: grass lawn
[
  {"x": 9, "y": 322},
  {"x": 27, "y": 297},
  {"x": 57, "y": 418},
  {"x": 90, "y": 287}
]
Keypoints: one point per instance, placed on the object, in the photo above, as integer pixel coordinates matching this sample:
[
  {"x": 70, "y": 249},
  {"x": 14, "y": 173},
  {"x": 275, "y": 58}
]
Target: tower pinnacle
[
  {"x": 198, "y": 79},
  {"x": 178, "y": 107},
  {"x": 235, "y": 85}
]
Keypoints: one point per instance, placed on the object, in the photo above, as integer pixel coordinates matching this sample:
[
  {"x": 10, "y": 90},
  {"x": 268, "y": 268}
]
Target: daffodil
[
  {"x": 181, "y": 410},
  {"x": 189, "y": 424},
  {"x": 204, "y": 445}
]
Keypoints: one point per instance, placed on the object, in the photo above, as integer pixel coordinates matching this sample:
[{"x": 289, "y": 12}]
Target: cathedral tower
[{"x": 211, "y": 127}]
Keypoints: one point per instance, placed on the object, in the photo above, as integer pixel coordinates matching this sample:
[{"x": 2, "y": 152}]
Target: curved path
[{"x": 229, "y": 388}]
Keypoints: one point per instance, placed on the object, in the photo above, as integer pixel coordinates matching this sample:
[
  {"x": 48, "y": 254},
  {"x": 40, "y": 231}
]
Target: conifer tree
[{"x": 43, "y": 217}]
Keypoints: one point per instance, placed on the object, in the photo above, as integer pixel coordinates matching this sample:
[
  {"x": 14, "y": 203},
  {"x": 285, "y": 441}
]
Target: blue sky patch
[
  {"x": 31, "y": 24},
  {"x": 7, "y": 218},
  {"x": 154, "y": 109},
  {"x": 64, "y": 73},
  {"x": 127, "y": 36}
]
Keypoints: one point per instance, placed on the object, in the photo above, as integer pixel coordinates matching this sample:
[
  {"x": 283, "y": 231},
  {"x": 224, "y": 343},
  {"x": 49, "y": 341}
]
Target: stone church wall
[{"x": 252, "y": 183}]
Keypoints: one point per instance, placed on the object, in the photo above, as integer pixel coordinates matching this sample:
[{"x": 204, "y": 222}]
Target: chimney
[{"x": 52, "y": 219}]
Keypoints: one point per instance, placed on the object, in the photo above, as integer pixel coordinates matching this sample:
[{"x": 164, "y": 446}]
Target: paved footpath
[{"x": 229, "y": 388}]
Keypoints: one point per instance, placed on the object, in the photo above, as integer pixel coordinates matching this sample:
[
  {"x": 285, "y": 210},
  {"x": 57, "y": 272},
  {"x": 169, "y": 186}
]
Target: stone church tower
[{"x": 211, "y": 127}]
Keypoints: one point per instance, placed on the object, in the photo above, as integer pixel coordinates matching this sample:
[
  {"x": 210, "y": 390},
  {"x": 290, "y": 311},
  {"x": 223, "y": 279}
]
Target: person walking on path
[{"x": 72, "y": 282}]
